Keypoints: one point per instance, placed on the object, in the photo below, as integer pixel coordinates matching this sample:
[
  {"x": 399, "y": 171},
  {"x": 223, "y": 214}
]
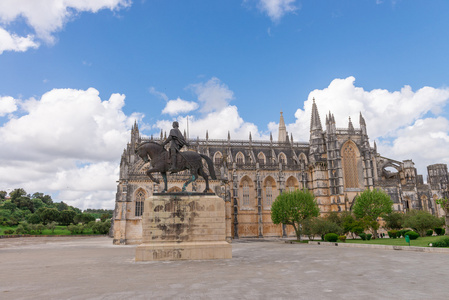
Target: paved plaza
[{"x": 93, "y": 268}]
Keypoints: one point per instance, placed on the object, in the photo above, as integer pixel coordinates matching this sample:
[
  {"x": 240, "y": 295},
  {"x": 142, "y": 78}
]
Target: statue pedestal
[{"x": 179, "y": 227}]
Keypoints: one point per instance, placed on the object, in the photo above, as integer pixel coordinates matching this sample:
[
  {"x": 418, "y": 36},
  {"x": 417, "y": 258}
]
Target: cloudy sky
[{"x": 76, "y": 74}]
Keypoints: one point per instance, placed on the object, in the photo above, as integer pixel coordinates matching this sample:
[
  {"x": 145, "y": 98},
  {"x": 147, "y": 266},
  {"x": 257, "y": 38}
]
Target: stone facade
[{"x": 336, "y": 165}]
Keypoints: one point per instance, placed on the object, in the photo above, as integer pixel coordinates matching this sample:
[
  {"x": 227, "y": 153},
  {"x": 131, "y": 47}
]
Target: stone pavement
[{"x": 93, "y": 268}]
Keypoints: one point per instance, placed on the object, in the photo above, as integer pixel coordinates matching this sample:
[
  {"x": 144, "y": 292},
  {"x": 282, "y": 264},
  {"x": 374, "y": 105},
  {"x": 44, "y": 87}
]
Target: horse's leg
[
  {"x": 152, "y": 170},
  {"x": 164, "y": 176},
  {"x": 204, "y": 175},
  {"x": 191, "y": 179}
]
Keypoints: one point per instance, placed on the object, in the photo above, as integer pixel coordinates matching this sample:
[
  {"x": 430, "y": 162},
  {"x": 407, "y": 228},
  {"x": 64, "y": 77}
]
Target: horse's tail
[{"x": 210, "y": 165}]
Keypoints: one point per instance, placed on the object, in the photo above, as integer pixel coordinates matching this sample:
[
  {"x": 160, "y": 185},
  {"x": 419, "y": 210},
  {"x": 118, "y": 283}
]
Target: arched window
[
  {"x": 292, "y": 184},
  {"x": 217, "y": 158},
  {"x": 282, "y": 159},
  {"x": 240, "y": 159},
  {"x": 270, "y": 186},
  {"x": 140, "y": 198},
  {"x": 245, "y": 193},
  {"x": 349, "y": 154},
  {"x": 261, "y": 158}
]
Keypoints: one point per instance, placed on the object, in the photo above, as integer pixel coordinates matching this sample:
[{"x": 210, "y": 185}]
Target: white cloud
[
  {"x": 68, "y": 140},
  {"x": 161, "y": 95},
  {"x": 213, "y": 95},
  {"x": 426, "y": 142},
  {"x": 276, "y": 9},
  {"x": 7, "y": 105},
  {"x": 45, "y": 17},
  {"x": 13, "y": 42},
  {"x": 394, "y": 115},
  {"x": 178, "y": 106},
  {"x": 219, "y": 117}
]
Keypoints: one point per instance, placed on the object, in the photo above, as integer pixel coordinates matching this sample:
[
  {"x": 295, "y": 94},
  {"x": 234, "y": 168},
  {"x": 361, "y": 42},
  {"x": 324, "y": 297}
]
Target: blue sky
[{"x": 76, "y": 74}]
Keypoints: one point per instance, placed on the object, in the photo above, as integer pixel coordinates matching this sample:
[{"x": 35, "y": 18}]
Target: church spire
[
  {"x": 362, "y": 120},
  {"x": 350, "y": 126},
  {"x": 282, "y": 130},
  {"x": 315, "y": 122}
]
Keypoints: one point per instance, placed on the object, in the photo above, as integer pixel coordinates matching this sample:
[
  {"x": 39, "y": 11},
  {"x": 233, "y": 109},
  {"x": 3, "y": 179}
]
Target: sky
[{"x": 76, "y": 74}]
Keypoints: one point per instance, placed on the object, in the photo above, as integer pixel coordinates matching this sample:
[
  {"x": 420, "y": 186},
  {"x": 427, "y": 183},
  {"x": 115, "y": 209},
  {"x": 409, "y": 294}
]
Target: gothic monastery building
[{"x": 336, "y": 165}]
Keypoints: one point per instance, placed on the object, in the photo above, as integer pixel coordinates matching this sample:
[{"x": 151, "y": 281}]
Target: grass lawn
[
  {"x": 419, "y": 242},
  {"x": 59, "y": 230}
]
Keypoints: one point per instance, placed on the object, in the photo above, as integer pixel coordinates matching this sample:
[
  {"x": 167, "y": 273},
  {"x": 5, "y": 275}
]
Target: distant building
[{"x": 336, "y": 165}]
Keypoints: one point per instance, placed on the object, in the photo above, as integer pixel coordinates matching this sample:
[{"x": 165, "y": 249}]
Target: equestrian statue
[{"x": 174, "y": 161}]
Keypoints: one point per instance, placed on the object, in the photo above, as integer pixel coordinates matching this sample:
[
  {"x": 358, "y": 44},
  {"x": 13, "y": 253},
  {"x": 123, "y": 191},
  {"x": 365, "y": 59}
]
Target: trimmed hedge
[
  {"x": 342, "y": 238},
  {"x": 442, "y": 242},
  {"x": 393, "y": 234},
  {"x": 402, "y": 232},
  {"x": 331, "y": 237},
  {"x": 412, "y": 235},
  {"x": 440, "y": 231},
  {"x": 429, "y": 232}
]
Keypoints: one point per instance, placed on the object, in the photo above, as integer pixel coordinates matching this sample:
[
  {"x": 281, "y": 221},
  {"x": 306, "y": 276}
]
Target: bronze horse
[{"x": 187, "y": 160}]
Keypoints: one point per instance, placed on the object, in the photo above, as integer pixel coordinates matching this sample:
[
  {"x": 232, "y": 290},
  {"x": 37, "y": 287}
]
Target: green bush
[
  {"x": 442, "y": 242},
  {"x": 393, "y": 234},
  {"x": 439, "y": 231},
  {"x": 429, "y": 232},
  {"x": 362, "y": 236},
  {"x": 342, "y": 238},
  {"x": 402, "y": 232},
  {"x": 23, "y": 228},
  {"x": 76, "y": 229},
  {"x": 368, "y": 236},
  {"x": 8, "y": 231},
  {"x": 412, "y": 235},
  {"x": 331, "y": 237}
]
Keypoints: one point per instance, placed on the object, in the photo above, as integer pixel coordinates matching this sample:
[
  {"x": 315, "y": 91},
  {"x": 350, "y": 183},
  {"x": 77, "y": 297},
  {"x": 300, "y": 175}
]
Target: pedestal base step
[{"x": 183, "y": 250}]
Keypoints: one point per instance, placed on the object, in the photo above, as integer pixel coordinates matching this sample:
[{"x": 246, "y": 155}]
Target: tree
[
  {"x": 17, "y": 193},
  {"x": 370, "y": 205},
  {"x": 83, "y": 218},
  {"x": 421, "y": 221},
  {"x": 34, "y": 218},
  {"x": 66, "y": 217},
  {"x": 62, "y": 206},
  {"x": 49, "y": 215},
  {"x": 322, "y": 226},
  {"x": 394, "y": 220},
  {"x": 445, "y": 205},
  {"x": 293, "y": 208},
  {"x": 3, "y": 195},
  {"x": 47, "y": 199}
]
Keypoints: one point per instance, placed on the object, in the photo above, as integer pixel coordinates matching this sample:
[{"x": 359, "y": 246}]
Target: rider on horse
[{"x": 177, "y": 142}]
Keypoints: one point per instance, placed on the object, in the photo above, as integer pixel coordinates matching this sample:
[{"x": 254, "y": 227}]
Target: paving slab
[{"x": 93, "y": 268}]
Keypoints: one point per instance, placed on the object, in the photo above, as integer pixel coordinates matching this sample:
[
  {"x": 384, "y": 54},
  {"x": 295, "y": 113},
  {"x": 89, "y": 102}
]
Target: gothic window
[
  {"x": 350, "y": 166},
  {"x": 240, "y": 158},
  {"x": 245, "y": 193},
  {"x": 282, "y": 159},
  {"x": 261, "y": 158},
  {"x": 140, "y": 198},
  {"x": 269, "y": 186},
  {"x": 269, "y": 195},
  {"x": 217, "y": 158},
  {"x": 291, "y": 184}
]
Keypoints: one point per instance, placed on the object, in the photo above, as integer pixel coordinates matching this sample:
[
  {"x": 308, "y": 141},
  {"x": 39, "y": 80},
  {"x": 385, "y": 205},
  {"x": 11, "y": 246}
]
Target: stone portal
[{"x": 179, "y": 227}]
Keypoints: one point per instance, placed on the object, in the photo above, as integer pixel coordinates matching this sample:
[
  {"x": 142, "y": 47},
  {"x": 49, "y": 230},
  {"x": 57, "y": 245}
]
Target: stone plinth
[{"x": 177, "y": 227}]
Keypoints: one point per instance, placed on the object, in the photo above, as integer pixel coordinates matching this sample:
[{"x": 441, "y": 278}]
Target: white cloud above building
[{"x": 44, "y": 18}]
